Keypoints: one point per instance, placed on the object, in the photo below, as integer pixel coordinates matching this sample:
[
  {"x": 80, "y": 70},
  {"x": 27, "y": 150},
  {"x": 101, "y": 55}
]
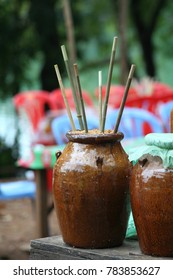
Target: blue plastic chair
[
  {"x": 164, "y": 111},
  {"x": 17, "y": 190},
  {"x": 133, "y": 121},
  {"x": 61, "y": 125}
]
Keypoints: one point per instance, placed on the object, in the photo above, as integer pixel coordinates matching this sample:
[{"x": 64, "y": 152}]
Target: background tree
[
  {"x": 45, "y": 19},
  {"x": 121, "y": 8},
  {"x": 145, "y": 15},
  {"x": 33, "y": 31},
  {"x": 68, "y": 19},
  {"x": 29, "y": 34},
  {"x": 16, "y": 35}
]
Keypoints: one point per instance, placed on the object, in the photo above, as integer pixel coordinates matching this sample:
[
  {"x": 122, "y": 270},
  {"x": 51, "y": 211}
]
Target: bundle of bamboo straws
[{"x": 77, "y": 95}]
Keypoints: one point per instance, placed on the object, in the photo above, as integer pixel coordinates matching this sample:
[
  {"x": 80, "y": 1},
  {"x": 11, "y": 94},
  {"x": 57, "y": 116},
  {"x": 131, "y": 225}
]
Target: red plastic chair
[
  {"x": 149, "y": 103},
  {"x": 161, "y": 90},
  {"x": 57, "y": 101},
  {"x": 33, "y": 103},
  {"x": 116, "y": 94}
]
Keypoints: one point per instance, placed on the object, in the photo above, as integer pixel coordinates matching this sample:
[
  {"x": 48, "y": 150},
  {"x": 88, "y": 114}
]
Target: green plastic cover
[{"x": 156, "y": 144}]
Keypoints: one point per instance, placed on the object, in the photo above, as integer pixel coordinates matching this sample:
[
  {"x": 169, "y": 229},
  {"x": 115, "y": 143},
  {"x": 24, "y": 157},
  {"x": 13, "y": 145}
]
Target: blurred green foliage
[{"x": 32, "y": 32}]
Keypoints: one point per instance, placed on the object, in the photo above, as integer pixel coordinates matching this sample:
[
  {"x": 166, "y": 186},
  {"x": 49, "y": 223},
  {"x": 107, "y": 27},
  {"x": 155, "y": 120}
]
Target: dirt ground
[{"x": 18, "y": 228}]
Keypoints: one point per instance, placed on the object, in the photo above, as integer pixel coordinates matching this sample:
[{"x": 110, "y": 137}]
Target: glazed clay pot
[
  {"x": 91, "y": 190},
  {"x": 151, "y": 190}
]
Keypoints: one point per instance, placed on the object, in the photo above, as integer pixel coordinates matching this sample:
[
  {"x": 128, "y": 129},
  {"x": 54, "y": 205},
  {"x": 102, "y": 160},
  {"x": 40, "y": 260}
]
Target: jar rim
[{"x": 108, "y": 136}]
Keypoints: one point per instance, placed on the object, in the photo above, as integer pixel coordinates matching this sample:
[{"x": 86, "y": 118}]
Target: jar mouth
[{"x": 94, "y": 136}]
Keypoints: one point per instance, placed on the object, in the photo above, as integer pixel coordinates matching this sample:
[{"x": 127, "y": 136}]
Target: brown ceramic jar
[
  {"x": 151, "y": 190},
  {"x": 91, "y": 190}
]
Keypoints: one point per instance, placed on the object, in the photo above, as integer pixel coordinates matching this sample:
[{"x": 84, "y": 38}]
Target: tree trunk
[
  {"x": 122, "y": 26},
  {"x": 70, "y": 30},
  {"x": 120, "y": 8},
  {"x": 148, "y": 53},
  {"x": 44, "y": 17},
  {"x": 145, "y": 30}
]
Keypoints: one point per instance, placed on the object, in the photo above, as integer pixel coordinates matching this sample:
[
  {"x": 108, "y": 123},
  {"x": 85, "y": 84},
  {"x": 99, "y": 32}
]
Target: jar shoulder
[{"x": 92, "y": 155}]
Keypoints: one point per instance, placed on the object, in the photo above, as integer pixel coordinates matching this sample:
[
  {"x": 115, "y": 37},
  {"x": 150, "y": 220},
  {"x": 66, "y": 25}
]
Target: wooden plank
[
  {"x": 36, "y": 254},
  {"x": 53, "y": 248}
]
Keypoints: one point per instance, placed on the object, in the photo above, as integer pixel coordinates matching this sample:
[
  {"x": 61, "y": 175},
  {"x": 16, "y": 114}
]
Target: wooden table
[
  {"x": 53, "y": 248},
  {"x": 42, "y": 159}
]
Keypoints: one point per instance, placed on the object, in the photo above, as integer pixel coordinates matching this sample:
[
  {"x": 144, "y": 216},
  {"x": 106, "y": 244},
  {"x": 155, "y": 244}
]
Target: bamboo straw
[
  {"x": 79, "y": 116},
  {"x": 64, "y": 96},
  {"x": 81, "y": 97},
  {"x": 124, "y": 97},
  {"x": 100, "y": 98},
  {"x": 109, "y": 82}
]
